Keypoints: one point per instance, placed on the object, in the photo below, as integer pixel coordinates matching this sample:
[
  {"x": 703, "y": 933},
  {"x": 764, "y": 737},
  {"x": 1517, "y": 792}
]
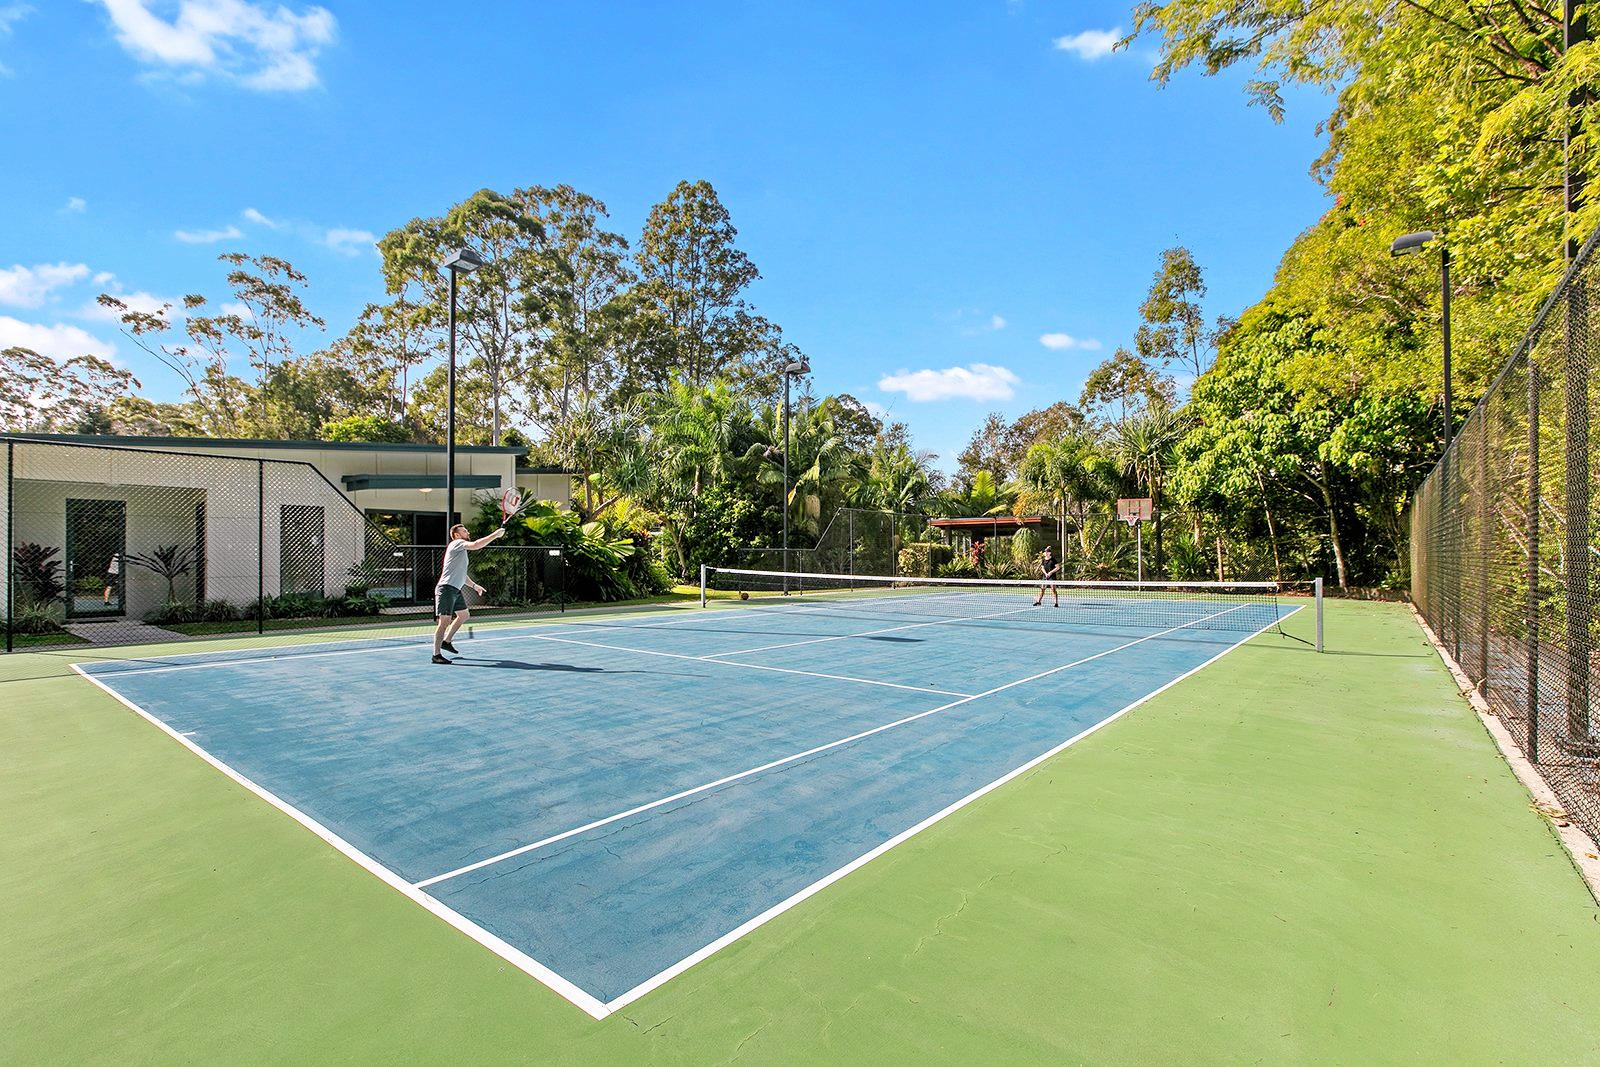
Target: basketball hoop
[{"x": 1135, "y": 509}]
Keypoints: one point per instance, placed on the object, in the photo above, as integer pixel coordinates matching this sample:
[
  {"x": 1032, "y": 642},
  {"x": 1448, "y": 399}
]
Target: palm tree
[
  {"x": 1069, "y": 472},
  {"x": 982, "y": 496},
  {"x": 1143, "y": 445},
  {"x": 818, "y": 461},
  {"x": 692, "y": 432},
  {"x": 891, "y": 477}
]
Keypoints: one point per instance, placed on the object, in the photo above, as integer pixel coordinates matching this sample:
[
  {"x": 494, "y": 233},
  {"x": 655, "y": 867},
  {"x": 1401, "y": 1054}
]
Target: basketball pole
[{"x": 1138, "y": 541}]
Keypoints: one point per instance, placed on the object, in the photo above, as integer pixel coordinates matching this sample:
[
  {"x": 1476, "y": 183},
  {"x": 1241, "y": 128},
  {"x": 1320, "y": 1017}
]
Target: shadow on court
[{"x": 519, "y": 665}]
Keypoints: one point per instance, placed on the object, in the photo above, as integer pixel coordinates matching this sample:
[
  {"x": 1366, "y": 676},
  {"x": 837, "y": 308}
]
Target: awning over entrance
[{"x": 356, "y": 482}]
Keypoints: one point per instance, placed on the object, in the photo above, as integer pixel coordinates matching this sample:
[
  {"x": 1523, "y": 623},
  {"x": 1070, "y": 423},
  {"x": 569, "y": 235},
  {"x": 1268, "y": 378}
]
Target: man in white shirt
[{"x": 449, "y": 596}]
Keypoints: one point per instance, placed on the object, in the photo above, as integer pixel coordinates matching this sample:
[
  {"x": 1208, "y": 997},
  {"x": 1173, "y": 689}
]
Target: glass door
[{"x": 96, "y": 558}]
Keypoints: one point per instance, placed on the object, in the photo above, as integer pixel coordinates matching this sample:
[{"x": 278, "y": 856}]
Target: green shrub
[
  {"x": 35, "y": 617},
  {"x": 960, "y": 567},
  {"x": 175, "y": 611},
  {"x": 1025, "y": 548},
  {"x": 38, "y": 573}
]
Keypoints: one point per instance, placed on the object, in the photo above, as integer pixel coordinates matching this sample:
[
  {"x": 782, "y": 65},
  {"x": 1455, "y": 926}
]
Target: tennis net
[{"x": 1231, "y": 606}]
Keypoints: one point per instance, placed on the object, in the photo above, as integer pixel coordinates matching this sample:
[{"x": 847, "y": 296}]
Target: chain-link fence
[
  {"x": 1503, "y": 545},
  {"x": 107, "y": 544}
]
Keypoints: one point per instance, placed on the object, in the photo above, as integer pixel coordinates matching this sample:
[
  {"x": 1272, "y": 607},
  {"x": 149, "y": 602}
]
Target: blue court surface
[{"x": 606, "y": 801}]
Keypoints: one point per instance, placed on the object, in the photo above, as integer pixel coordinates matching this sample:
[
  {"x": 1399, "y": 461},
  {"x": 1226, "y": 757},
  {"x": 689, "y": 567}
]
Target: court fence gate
[
  {"x": 113, "y": 544},
  {"x": 1503, "y": 545}
]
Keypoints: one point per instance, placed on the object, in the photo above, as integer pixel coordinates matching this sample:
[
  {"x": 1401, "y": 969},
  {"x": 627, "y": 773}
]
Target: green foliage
[
  {"x": 924, "y": 558},
  {"x": 35, "y": 617},
  {"x": 1026, "y": 545},
  {"x": 42, "y": 394},
  {"x": 958, "y": 567},
  {"x": 37, "y": 573},
  {"x": 170, "y": 562},
  {"x": 373, "y": 428},
  {"x": 173, "y": 612}
]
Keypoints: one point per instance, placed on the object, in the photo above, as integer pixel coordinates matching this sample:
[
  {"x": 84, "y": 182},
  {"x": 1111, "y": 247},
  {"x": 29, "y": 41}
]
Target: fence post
[
  {"x": 11, "y": 559},
  {"x": 1485, "y": 548},
  {"x": 1576, "y": 490},
  {"x": 1532, "y": 621},
  {"x": 261, "y": 545}
]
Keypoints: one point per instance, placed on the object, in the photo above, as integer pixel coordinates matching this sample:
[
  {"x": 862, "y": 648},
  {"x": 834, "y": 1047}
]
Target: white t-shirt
[{"x": 454, "y": 571}]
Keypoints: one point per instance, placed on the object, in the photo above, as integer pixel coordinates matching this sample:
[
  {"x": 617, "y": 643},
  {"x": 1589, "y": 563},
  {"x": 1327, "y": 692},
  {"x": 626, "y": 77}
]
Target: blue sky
[{"x": 956, "y": 207}]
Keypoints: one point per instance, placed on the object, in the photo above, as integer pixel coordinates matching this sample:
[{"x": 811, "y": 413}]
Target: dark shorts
[{"x": 447, "y": 600}]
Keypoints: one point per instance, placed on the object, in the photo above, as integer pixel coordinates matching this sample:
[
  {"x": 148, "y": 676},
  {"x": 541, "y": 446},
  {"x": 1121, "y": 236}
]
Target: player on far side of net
[
  {"x": 1049, "y": 567},
  {"x": 449, "y": 596}
]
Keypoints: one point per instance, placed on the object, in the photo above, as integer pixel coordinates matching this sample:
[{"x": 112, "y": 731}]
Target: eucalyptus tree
[
  {"x": 689, "y": 305},
  {"x": 501, "y": 307},
  {"x": 39, "y": 393},
  {"x": 587, "y": 278},
  {"x": 257, "y": 327},
  {"x": 1174, "y": 329}
]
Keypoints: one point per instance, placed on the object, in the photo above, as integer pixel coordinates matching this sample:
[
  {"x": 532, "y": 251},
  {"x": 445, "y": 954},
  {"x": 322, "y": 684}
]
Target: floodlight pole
[
  {"x": 450, "y": 422},
  {"x": 785, "y": 567},
  {"x": 790, "y": 370},
  {"x": 461, "y": 261}
]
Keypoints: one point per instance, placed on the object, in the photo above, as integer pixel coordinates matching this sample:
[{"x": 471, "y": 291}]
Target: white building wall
[{"x": 244, "y": 503}]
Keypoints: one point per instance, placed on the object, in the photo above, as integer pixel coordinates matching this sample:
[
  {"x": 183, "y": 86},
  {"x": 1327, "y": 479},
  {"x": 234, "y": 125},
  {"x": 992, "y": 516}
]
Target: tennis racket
[{"x": 512, "y": 504}]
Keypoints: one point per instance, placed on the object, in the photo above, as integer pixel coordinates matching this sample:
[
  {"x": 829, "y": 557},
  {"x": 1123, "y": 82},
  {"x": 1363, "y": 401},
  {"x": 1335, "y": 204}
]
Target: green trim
[
  {"x": 129, "y": 440},
  {"x": 356, "y": 482}
]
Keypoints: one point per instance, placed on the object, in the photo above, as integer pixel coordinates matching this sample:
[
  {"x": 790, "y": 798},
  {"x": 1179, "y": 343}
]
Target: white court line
[
  {"x": 620, "y": 1002},
  {"x": 590, "y": 1004},
  {"x": 597, "y": 823},
  {"x": 511, "y": 631},
  {"x": 506, "y": 951},
  {"x": 522, "y": 637},
  {"x": 870, "y": 633},
  {"x": 747, "y": 666}
]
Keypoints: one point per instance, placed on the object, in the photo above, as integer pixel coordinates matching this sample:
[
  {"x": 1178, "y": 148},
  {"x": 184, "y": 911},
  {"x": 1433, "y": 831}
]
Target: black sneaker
[
  {"x": 452, "y": 649},
  {"x": 439, "y": 659}
]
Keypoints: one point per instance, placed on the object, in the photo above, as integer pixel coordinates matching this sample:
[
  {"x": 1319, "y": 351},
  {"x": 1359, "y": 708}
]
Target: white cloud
[
  {"x": 269, "y": 48},
  {"x": 1090, "y": 45},
  {"x": 875, "y": 409},
  {"x": 976, "y": 381},
  {"x": 58, "y": 342},
  {"x": 75, "y": 205},
  {"x": 27, "y": 287},
  {"x": 11, "y": 14},
  {"x": 234, "y": 307},
  {"x": 997, "y": 323},
  {"x": 1061, "y": 341},
  {"x": 349, "y": 242},
  {"x": 208, "y": 237},
  {"x": 252, "y": 215}
]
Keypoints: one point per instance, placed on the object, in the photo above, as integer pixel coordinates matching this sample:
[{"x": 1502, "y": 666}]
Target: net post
[
  {"x": 11, "y": 559},
  {"x": 702, "y": 585},
  {"x": 1316, "y": 584},
  {"x": 261, "y": 545}
]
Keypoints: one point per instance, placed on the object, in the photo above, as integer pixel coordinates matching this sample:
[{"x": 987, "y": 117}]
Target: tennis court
[{"x": 607, "y": 801}]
